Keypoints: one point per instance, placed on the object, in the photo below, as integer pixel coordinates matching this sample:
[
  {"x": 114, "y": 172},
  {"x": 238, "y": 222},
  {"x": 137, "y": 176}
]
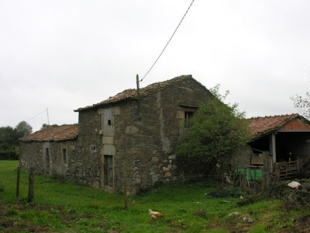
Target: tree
[
  {"x": 44, "y": 126},
  {"x": 9, "y": 139},
  {"x": 8, "y": 143},
  {"x": 303, "y": 104},
  {"x": 23, "y": 129},
  {"x": 216, "y": 129},
  {"x": 7, "y": 135}
]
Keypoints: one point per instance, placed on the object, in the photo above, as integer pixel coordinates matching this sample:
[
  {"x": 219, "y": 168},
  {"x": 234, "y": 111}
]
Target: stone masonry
[{"x": 126, "y": 139}]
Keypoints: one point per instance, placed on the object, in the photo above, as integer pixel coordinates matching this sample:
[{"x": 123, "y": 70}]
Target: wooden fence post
[
  {"x": 266, "y": 171},
  {"x": 31, "y": 186},
  {"x": 254, "y": 180},
  {"x": 17, "y": 183},
  {"x": 277, "y": 172}
]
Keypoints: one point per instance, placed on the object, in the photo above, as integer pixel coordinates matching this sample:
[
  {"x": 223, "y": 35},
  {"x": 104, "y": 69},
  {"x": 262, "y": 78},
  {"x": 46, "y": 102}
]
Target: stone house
[
  {"x": 126, "y": 139},
  {"x": 49, "y": 150}
]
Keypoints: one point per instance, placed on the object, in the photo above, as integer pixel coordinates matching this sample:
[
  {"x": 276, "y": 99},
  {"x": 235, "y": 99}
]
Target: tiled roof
[
  {"x": 132, "y": 93},
  {"x": 53, "y": 133},
  {"x": 260, "y": 126}
]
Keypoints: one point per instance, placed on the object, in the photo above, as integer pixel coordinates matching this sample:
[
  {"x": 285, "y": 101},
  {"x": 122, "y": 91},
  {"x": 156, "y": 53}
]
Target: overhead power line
[
  {"x": 168, "y": 41},
  {"x": 45, "y": 110}
]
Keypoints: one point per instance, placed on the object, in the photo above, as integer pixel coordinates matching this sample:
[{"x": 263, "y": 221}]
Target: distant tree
[
  {"x": 7, "y": 135},
  {"x": 216, "y": 129},
  {"x": 23, "y": 129},
  {"x": 9, "y": 151},
  {"x": 8, "y": 143},
  {"x": 9, "y": 139},
  {"x": 44, "y": 126},
  {"x": 302, "y": 103}
]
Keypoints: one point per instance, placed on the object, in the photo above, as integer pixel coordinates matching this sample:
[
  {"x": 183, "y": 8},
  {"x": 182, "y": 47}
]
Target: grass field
[{"x": 61, "y": 207}]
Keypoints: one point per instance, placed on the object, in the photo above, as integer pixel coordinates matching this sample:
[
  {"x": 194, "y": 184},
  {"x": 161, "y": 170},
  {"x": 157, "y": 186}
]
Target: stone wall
[
  {"x": 146, "y": 140},
  {"x": 85, "y": 164},
  {"x": 47, "y": 157},
  {"x": 140, "y": 136},
  {"x": 140, "y": 139},
  {"x": 241, "y": 158}
]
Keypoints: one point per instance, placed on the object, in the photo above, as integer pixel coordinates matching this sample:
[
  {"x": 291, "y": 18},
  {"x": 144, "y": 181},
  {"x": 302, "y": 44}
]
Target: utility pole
[
  {"x": 48, "y": 118},
  {"x": 138, "y": 96}
]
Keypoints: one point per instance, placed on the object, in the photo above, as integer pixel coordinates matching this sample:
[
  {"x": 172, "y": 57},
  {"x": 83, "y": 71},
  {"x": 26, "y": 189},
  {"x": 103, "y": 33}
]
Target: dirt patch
[
  {"x": 3, "y": 208},
  {"x": 302, "y": 224},
  {"x": 178, "y": 226}
]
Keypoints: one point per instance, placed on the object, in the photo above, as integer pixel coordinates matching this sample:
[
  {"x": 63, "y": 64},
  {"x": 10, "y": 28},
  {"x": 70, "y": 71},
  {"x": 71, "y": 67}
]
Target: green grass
[{"x": 62, "y": 207}]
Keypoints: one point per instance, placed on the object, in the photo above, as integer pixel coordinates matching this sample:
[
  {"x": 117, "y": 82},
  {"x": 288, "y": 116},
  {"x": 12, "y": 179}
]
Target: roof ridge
[
  {"x": 128, "y": 94},
  {"x": 54, "y": 133},
  {"x": 274, "y": 116},
  {"x": 263, "y": 125}
]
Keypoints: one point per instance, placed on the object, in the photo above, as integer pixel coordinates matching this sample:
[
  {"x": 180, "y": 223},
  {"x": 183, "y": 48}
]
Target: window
[
  {"x": 47, "y": 156},
  {"x": 93, "y": 149},
  {"x": 47, "y": 153},
  {"x": 107, "y": 113},
  {"x": 108, "y": 170},
  {"x": 64, "y": 156},
  {"x": 47, "y": 160},
  {"x": 187, "y": 117}
]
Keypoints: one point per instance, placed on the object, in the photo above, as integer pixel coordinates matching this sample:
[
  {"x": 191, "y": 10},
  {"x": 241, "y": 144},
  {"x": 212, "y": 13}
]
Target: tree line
[{"x": 9, "y": 140}]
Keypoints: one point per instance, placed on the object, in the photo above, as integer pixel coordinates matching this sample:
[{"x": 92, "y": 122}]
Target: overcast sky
[{"x": 64, "y": 54}]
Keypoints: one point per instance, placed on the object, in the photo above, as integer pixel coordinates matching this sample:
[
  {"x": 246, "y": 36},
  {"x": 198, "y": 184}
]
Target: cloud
[{"x": 67, "y": 54}]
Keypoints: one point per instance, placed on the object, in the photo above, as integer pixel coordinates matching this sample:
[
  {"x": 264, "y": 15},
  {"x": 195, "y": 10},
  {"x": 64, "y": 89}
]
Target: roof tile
[
  {"x": 53, "y": 133},
  {"x": 260, "y": 126},
  {"x": 132, "y": 93}
]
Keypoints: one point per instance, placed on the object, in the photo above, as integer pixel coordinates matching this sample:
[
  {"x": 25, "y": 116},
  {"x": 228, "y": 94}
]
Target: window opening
[
  {"x": 64, "y": 156},
  {"x": 187, "y": 117},
  {"x": 93, "y": 149},
  {"x": 47, "y": 158},
  {"x": 108, "y": 170},
  {"x": 47, "y": 155},
  {"x": 107, "y": 112}
]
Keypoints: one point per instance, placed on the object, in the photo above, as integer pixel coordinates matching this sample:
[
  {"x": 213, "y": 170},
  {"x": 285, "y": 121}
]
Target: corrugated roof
[
  {"x": 132, "y": 93},
  {"x": 53, "y": 133},
  {"x": 260, "y": 126}
]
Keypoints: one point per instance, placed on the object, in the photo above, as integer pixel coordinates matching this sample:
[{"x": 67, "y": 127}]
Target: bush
[
  {"x": 215, "y": 130},
  {"x": 9, "y": 152}
]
